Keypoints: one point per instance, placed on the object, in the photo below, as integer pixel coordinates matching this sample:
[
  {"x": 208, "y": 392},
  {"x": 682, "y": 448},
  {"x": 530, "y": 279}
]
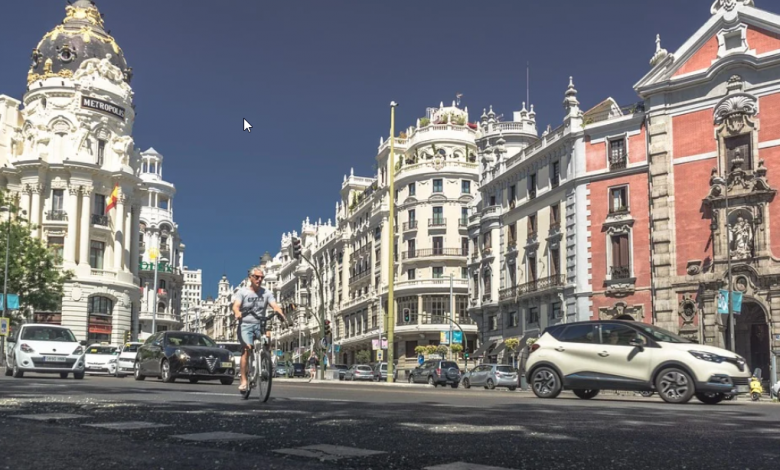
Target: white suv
[{"x": 590, "y": 356}]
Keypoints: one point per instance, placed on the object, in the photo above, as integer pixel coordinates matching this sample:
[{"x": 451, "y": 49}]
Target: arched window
[
  {"x": 100, "y": 305},
  {"x": 161, "y": 307},
  {"x": 162, "y": 284}
]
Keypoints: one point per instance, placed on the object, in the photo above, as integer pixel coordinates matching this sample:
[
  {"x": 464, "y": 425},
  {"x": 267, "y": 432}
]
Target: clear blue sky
[{"x": 315, "y": 78}]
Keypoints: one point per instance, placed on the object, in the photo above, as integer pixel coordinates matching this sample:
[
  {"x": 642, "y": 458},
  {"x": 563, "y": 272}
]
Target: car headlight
[
  {"x": 26, "y": 348},
  {"x": 78, "y": 352},
  {"x": 707, "y": 356},
  {"x": 182, "y": 355}
]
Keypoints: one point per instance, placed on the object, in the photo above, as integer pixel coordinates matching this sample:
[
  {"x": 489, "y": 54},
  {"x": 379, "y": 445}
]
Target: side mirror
[
  {"x": 83, "y": 342},
  {"x": 637, "y": 342}
]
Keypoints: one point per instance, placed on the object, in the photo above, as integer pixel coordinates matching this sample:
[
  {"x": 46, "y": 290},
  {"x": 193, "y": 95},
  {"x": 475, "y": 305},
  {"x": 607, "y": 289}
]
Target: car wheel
[
  {"x": 165, "y": 372},
  {"x": 710, "y": 398},
  {"x": 137, "y": 372},
  {"x": 512, "y": 389},
  {"x": 63, "y": 375},
  {"x": 193, "y": 380},
  {"x": 410, "y": 379},
  {"x": 466, "y": 383},
  {"x": 78, "y": 375},
  {"x": 647, "y": 393},
  {"x": 454, "y": 385},
  {"x": 8, "y": 371},
  {"x": 546, "y": 383},
  {"x": 755, "y": 396},
  {"x": 675, "y": 385},
  {"x": 18, "y": 374},
  {"x": 226, "y": 381},
  {"x": 586, "y": 394},
  {"x": 490, "y": 384}
]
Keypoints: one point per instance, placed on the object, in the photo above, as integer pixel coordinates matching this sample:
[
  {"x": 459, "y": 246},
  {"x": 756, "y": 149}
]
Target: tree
[
  {"x": 33, "y": 273},
  {"x": 442, "y": 350},
  {"x": 363, "y": 357},
  {"x": 456, "y": 348},
  {"x": 511, "y": 345},
  {"x": 419, "y": 350}
]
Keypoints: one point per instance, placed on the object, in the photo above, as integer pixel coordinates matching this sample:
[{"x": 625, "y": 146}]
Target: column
[
  {"x": 86, "y": 198},
  {"x": 35, "y": 209},
  {"x": 135, "y": 223},
  {"x": 128, "y": 230},
  {"x": 72, "y": 239},
  {"x": 119, "y": 225},
  {"x": 419, "y": 309},
  {"x": 25, "y": 201}
]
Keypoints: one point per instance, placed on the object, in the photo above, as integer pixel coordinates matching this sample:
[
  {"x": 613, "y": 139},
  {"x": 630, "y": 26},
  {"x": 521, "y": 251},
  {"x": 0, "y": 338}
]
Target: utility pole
[
  {"x": 391, "y": 251},
  {"x": 452, "y": 315},
  {"x": 730, "y": 295}
]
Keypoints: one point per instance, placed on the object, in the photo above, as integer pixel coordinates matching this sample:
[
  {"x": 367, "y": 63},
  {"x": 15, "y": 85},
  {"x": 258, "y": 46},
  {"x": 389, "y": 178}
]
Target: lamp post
[
  {"x": 5, "y": 278},
  {"x": 391, "y": 252},
  {"x": 154, "y": 255},
  {"x": 729, "y": 298}
]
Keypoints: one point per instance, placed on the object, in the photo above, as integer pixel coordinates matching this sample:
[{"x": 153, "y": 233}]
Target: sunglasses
[{"x": 254, "y": 276}]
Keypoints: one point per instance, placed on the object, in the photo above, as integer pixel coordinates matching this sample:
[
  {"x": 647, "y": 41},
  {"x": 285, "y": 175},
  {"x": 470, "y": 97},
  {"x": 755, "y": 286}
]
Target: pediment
[{"x": 437, "y": 198}]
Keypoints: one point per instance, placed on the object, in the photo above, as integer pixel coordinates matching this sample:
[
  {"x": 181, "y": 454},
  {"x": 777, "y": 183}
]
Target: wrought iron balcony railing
[
  {"x": 98, "y": 219},
  {"x": 424, "y": 253},
  {"x": 437, "y": 222},
  {"x": 620, "y": 272},
  {"x": 618, "y": 162},
  {"x": 57, "y": 215},
  {"x": 411, "y": 225}
]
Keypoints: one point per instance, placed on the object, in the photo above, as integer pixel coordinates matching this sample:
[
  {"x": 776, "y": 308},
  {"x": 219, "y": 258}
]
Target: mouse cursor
[{"x": 247, "y": 126}]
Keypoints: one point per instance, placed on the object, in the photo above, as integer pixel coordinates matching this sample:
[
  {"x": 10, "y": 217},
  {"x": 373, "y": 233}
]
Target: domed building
[{"x": 68, "y": 158}]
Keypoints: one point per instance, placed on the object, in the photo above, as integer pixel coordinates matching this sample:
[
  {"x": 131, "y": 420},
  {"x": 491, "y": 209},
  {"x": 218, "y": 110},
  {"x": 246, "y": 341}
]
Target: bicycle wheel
[
  {"x": 265, "y": 376},
  {"x": 250, "y": 375}
]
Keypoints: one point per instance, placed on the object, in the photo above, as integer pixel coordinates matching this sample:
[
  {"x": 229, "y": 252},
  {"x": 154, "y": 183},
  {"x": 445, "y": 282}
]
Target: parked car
[
  {"x": 380, "y": 372},
  {"x": 586, "y": 357},
  {"x": 436, "y": 372},
  {"x": 236, "y": 350},
  {"x": 47, "y": 349},
  {"x": 342, "y": 368},
  {"x": 298, "y": 369},
  {"x": 359, "y": 372},
  {"x": 172, "y": 354},
  {"x": 281, "y": 370},
  {"x": 101, "y": 358},
  {"x": 125, "y": 363},
  {"x": 491, "y": 376}
]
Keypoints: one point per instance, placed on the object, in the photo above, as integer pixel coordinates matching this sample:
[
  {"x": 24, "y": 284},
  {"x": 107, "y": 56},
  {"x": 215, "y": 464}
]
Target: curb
[{"x": 347, "y": 383}]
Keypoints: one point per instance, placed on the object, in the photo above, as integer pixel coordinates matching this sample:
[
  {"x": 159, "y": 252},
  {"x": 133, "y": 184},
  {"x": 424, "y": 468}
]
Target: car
[
  {"x": 380, "y": 372},
  {"x": 236, "y": 350},
  {"x": 173, "y": 354},
  {"x": 101, "y": 358},
  {"x": 359, "y": 372},
  {"x": 47, "y": 349},
  {"x": 436, "y": 372},
  {"x": 281, "y": 370},
  {"x": 125, "y": 363},
  {"x": 586, "y": 357},
  {"x": 342, "y": 368},
  {"x": 491, "y": 376},
  {"x": 298, "y": 369}
]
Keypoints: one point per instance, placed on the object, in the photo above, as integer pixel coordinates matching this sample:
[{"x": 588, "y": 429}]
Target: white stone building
[{"x": 192, "y": 294}]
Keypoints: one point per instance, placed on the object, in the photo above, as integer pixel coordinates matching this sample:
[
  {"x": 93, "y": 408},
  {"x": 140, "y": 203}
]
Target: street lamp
[
  {"x": 154, "y": 304},
  {"x": 5, "y": 277},
  {"x": 730, "y": 300}
]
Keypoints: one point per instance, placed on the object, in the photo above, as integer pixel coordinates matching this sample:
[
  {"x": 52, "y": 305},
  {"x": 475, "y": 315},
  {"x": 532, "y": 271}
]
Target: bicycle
[{"x": 259, "y": 368}]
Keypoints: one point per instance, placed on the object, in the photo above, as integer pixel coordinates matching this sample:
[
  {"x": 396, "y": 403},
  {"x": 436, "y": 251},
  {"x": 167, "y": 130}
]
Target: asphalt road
[{"x": 103, "y": 422}]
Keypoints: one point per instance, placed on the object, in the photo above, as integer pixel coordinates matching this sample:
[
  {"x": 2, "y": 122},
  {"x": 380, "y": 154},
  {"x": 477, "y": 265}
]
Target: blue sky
[{"x": 315, "y": 79}]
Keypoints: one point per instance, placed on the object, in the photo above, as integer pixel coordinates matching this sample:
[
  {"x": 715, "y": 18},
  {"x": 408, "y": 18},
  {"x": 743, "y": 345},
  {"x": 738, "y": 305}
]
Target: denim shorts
[{"x": 248, "y": 332}]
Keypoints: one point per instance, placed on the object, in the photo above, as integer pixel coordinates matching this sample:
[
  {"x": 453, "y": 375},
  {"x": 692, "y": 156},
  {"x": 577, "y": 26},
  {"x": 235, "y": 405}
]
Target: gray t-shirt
[{"x": 253, "y": 304}]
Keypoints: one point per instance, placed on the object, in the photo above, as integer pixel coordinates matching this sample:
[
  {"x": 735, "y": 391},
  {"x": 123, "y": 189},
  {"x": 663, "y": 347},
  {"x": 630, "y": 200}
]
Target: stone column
[
  {"x": 135, "y": 224},
  {"x": 35, "y": 210},
  {"x": 119, "y": 226},
  {"x": 128, "y": 232},
  {"x": 72, "y": 239},
  {"x": 419, "y": 310},
  {"x": 86, "y": 213}
]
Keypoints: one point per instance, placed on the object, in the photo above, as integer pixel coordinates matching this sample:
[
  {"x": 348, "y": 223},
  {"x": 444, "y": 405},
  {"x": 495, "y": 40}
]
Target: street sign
[
  {"x": 380, "y": 355},
  {"x": 457, "y": 337},
  {"x": 336, "y": 348},
  {"x": 4, "y": 326}
]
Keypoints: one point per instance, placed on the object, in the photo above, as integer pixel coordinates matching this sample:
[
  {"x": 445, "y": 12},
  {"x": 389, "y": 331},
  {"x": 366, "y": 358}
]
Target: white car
[
  {"x": 125, "y": 363},
  {"x": 586, "y": 357},
  {"x": 101, "y": 358},
  {"x": 48, "y": 349},
  {"x": 236, "y": 350}
]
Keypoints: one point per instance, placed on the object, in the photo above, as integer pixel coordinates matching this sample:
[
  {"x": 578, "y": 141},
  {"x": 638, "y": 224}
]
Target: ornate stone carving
[
  {"x": 741, "y": 240},
  {"x": 687, "y": 309},
  {"x": 729, "y": 5},
  {"x": 621, "y": 309},
  {"x": 694, "y": 267},
  {"x": 100, "y": 67},
  {"x": 735, "y": 110},
  {"x": 122, "y": 146},
  {"x": 75, "y": 292}
]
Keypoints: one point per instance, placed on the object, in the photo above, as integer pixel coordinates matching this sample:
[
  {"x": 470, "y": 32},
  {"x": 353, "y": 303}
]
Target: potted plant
[
  {"x": 430, "y": 349},
  {"x": 512, "y": 344},
  {"x": 420, "y": 350},
  {"x": 461, "y": 121},
  {"x": 456, "y": 348},
  {"x": 363, "y": 357},
  {"x": 424, "y": 121},
  {"x": 442, "y": 350}
]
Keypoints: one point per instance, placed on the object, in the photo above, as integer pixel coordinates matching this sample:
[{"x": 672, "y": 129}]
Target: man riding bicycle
[{"x": 249, "y": 307}]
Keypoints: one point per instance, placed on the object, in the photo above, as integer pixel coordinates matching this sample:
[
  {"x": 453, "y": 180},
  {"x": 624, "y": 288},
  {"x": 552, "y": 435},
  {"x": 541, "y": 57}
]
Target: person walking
[{"x": 313, "y": 363}]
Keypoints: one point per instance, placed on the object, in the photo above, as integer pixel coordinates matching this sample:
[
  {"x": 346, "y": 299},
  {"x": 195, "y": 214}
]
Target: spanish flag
[{"x": 112, "y": 199}]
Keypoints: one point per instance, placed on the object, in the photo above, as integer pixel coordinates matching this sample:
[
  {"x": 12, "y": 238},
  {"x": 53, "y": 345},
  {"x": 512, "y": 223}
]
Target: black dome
[{"x": 80, "y": 37}]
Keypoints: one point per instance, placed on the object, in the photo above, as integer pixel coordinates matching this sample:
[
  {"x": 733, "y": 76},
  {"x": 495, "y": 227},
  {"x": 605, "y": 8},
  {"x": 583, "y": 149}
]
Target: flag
[{"x": 112, "y": 199}]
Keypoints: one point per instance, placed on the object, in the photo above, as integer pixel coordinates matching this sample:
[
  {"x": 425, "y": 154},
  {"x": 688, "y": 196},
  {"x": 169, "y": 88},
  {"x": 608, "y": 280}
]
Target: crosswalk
[{"x": 320, "y": 452}]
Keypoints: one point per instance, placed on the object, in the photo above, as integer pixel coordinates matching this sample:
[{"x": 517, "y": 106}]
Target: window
[
  {"x": 532, "y": 186},
  {"x": 533, "y": 315},
  {"x": 475, "y": 289},
  {"x": 531, "y": 267},
  {"x": 411, "y": 274},
  {"x": 56, "y": 245},
  {"x": 618, "y": 200},
  {"x": 438, "y": 217},
  {"x": 100, "y": 305},
  {"x": 438, "y": 186},
  {"x": 163, "y": 242},
  {"x": 531, "y": 225},
  {"x": 582, "y": 333},
  {"x": 101, "y": 153},
  {"x": 487, "y": 241},
  {"x": 512, "y": 195},
  {"x": 513, "y": 319},
  {"x": 99, "y": 206},
  {"x": 57, "y": 200},
  {"x": 96, "y": 250},
  {"x": 738, "y": 152},
  {"x": 377, "y": 233},
  {"x": 510, "y": 270},
  {"x": 733, "y": 40},
  {"x": 555, "y": 217},
  {"x": 464, "y": 272},
  {"x": 617, "y": 334},
  {"x": 492, "y": 200},
  {"x": 487, "y": 280},
  {"x": 555, "y": 310},
  {"x": 512, "y": 235},
  {"x": 438, "y": 272},
  {"x": 161, "y": 284},
  {"x": 163, "y": 203},
  {"x": 412, "y": 189},
  {"x": 464, "y": 246},
  {"x": 621, "y": 263},
  {"x": 555, "y": 261},
  {"x": 493, "y": 323},
  {"x": 438, "y": 246},
  {"x": 464, "y": 216},
  {"x": 617, "y": 154},
  {"x": 410, "y": 244},
  {"x": 555, "y": 174},
  {"x": 465, "y": 187},
  {"x": 145, "y": 167}
]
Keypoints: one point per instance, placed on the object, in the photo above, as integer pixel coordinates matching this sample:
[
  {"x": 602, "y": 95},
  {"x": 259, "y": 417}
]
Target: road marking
[
  {"x": 328, "y": 452},
  {"x": 216, "y": 436},
  {"x": 461, "y": 428},
  {"x": 237, "y": 395},
  {"x": 48, "y": 416},
  {"x": 464, "y": 466},
  {"x": 128, "y": 425}
]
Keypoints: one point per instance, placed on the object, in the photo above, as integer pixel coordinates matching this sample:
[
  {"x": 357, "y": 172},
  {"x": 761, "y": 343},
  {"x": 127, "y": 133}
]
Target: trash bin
[{"x": 523, "y": 383}]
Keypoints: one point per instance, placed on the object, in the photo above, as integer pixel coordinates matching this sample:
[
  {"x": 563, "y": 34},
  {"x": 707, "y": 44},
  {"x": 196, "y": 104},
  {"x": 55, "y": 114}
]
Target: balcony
[
  {"x": 545, "y": 283},
  {"x": 463, "y": 222},
  {"x": 57, "y": 216},
  {"x": 358, "y": 277},
  {"x": 618, "y": 210},
  {"x": 618, "y": 162},
  {"x": 508, "y": 293},
  {"x": 103, "y": 273},
  {"x": 555, "y": 227},
  {"x": 98, "y": 219},
  {"x": 411, "y": 225},
  {"x": 437, "y": 222},
  {"x": 431, "y": 252},
  {"x": 620, "y": 272}
]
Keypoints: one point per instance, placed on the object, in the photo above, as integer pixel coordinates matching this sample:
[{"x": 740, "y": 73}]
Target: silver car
[
  {"x": 491, "y": 376},
  {"x": 359, "y": 372}
]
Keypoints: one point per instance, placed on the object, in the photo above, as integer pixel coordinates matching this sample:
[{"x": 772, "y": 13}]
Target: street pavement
[{"x": 104, "y": 423}]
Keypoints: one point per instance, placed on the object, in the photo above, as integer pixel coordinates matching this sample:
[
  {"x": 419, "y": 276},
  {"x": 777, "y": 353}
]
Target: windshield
[
  {"x": 504, "y": 369},
  {"x": 131, "y": 348},
  {"x": 190, "y": 339},
  {"x": 363, "y": 368},
  {"x": 103, "y": 350},
  {"x": 48, "y": 333},
  {"x": 659, "y": 334},
  {"x": 448, "y": 365}
]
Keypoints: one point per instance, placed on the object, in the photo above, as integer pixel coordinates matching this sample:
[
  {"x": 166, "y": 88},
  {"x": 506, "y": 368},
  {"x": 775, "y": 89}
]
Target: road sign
[
  {"x": 4, "y": 326},
  {"x": 380, "y": 355},
  {"x": 457, "y": 337}
]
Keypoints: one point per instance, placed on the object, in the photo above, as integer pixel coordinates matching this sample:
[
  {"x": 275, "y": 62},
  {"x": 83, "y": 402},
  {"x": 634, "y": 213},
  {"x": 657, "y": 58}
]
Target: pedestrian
[{"x": 313, "y": 363}]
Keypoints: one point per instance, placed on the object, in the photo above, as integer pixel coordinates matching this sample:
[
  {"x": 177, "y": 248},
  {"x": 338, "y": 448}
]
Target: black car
[
  {"x": 436, "y": 372},
  {"x": 172, "y": 354},
  {"x": 298, "y": 370}
]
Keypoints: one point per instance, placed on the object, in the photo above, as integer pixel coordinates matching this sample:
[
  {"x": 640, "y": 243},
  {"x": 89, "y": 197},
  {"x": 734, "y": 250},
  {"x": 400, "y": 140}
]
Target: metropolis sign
[{"x": 103, "y": 106}]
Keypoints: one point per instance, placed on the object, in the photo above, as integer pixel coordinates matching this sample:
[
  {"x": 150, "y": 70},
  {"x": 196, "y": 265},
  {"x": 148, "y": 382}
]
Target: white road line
[
  {"x": 464, "y": 466},
  {"x": 328, "y": 452},
  {"x": 215, "y": 436},
  {"x": 48, "y": 416}
]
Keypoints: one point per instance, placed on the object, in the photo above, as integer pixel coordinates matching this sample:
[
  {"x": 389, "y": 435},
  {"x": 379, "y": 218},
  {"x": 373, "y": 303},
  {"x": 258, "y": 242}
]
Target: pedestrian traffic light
[
  {"x": 466, "y": 353},
  {"x": 327, "y": 328},
  {"x": 296, "y": 248},
  {"x": 407, "y": 315}
]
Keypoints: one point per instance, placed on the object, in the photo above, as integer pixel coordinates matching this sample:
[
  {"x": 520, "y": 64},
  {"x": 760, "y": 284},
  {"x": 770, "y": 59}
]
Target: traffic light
[
  {"x": 296, "y": 248},
  {"x": 128, "y": 336},
  {"x": 327, "y": 328},
  {"x": 466, "y": 353},
  {"x": 407, "y": 315}
]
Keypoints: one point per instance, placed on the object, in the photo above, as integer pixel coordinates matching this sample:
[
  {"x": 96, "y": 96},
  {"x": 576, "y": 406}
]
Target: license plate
[
  {"x": 227, "y": 365},
  {"x": 53, "y": 359},
  {"x": 743, "y": 389}
]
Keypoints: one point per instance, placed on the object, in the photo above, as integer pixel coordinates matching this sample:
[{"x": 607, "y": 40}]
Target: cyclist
[{"x": 249, "y": 307}]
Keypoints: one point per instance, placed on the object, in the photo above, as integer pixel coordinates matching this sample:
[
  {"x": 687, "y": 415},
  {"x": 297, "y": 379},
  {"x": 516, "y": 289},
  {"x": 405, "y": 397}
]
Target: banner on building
[
  {"x": 723, "y": 305},
  {"x": 445, "y": 337},
  {"x": 13, "y": 301},
  {"x": 375, "y": 344}
]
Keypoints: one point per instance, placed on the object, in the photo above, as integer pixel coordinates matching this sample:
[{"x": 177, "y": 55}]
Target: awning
[
  {"x": 498, "y": 349},
  {"x": 481, "y": 350}
]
